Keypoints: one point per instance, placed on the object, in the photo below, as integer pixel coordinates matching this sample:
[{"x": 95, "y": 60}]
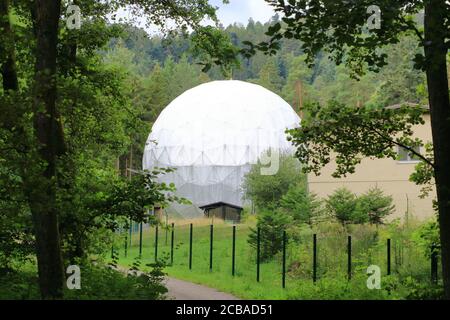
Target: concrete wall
[{"x": 389, "y": 175}]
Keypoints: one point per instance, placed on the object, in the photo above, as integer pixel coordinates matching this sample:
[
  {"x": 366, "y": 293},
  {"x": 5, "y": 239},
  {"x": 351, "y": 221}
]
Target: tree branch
[
  {"x": 412, "y": 27},
  {"x": 403, "y": 146}
]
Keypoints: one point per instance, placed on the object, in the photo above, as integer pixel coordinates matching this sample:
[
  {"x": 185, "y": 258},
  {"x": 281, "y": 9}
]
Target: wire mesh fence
[{"x": 307, "y": 256}]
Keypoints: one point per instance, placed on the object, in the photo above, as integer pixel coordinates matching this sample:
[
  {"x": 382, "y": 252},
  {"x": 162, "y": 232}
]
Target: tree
[
  {"x": 302, "y": 206},
  {"x": 375, "y": 206},
  {"x": 269, "y": 76},
  {"x": 266, "y": 191},
  {"x": 51, "y": 146},
  {"x": 40, "y": 148},
  {"x": 271, "y": 225},
  {"x": 340, "y": 28},
  {"x": 214, "y": 47},
  {"x": 342, "y": 206},
  {"x": 298, "y": 86},
  {"x": 399, "y": 82}
]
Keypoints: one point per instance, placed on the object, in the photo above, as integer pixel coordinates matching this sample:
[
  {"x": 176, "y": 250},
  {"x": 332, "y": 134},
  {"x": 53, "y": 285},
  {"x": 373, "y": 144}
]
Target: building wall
[{"x": 389, "y": 175}]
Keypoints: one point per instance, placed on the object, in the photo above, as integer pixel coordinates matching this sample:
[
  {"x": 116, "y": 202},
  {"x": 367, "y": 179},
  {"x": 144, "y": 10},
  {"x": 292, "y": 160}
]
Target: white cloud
[
  {"x": 259, "y": 10},
  {"x": 242, "y": 10},
  {"x": 236, "y": 11}
]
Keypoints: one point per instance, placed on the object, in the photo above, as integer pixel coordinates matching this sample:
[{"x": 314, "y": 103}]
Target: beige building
[{"x": 392, "y": 176}]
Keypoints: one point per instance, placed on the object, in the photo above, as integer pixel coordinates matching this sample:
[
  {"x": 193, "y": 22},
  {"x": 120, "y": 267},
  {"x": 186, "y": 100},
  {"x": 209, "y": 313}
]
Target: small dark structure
[{"x": 222, "y": 210}]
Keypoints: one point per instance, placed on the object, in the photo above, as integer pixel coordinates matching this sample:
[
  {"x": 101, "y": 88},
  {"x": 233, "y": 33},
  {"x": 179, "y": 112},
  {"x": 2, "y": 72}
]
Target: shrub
[
  {"x": 342, "y": 206},
  {"x": 271, "y": 224},
  {"x": 426, "y": 236},
  {"x": 374, "y": 206},
  {"x": 303, "y": 207},
  {"x": 105, "y": 283},
  {"x": 98, "y": 282},
  {"x": 266, "y": 191}
]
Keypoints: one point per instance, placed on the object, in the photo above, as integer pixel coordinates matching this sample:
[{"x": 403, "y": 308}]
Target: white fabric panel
[{"x": 212, "y": 134}]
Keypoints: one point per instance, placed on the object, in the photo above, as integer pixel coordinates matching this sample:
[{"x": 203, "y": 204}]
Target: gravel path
[{"x": 183, "y": 290}]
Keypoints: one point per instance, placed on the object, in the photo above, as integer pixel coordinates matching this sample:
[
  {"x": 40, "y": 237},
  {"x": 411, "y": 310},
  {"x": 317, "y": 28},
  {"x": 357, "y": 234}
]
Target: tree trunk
[
  {"x": 42, "y": 186},
  {"x": 435, "y": 53},
  {"x": 7, "y": 51}
]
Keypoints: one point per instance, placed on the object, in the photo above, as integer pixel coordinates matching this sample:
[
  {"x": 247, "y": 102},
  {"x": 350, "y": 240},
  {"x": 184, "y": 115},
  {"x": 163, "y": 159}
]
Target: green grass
[
  {"x": 333, "y": 283},
  {"x": 243, "y": 284}
]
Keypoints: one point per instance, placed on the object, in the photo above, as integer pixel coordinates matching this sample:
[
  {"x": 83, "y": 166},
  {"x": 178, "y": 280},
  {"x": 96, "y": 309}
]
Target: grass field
[
  {"x": 299, "y": 284},
  {"x": 243, "y": 284}
]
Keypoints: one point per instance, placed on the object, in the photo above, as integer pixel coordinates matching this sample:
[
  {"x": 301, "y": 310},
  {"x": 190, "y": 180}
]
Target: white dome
[{"x": 213, "y": 133}]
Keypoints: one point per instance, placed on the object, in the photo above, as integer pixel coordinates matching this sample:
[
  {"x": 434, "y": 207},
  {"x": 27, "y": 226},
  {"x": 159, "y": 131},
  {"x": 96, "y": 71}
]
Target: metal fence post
[
  {"x": 233, "y": 252},
  {"x": 126, "y": 243},
  {"x": 284, "y": 259},
  {"x": 211, "y": 239},
  {"x": 140, "y": 240},
  {"x": 131, "y": 232},
  {"x": 156, "y": 243},
  {"x": 349, "y": 258},
  {"x": 258, "y": 253},
  {"x": 190, "y": 246},
  {"x": 314, "y": 258},
  {"x": 171, "y": 243},
  {"x": 388, "y": 257}
]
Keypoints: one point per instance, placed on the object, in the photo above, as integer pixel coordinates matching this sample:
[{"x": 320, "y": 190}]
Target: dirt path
[{"x": 183, "y": 290}]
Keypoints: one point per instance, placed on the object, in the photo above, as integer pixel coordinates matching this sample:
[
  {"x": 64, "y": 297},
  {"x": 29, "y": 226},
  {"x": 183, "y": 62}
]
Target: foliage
[
  {"x": 303, "y": 206},
  {"x": 271, "y": 224},
  {"x": 375, "y": 206},
  {"x": 97, "y": 282},
  {"x": 324, "y": 82},
  {"x": 270, "y": 78},
  {"x": 134, "y": 198},
  {"x": 351, "y": 134},
  {"x": 16, "y": 241},
  {"x": 266, "y": 191},
  {"x": 371, "y": 207},
  {"x": 112, "y": 82},
  {"x": 419, "y": 291},
  {"x": 62, "y": 130},
  {"x": 427, "y": 237},
  {"x": 213, "y": 47},
  {"x": 369, "y": 247},
  {"x": 341, "y": 30},
  {"x": 424, "y": 173},
  {"x": 342, "y": 206}
]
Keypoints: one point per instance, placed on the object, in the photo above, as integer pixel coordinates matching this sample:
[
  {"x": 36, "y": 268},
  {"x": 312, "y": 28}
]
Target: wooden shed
[{"x": 223, "y": 210}]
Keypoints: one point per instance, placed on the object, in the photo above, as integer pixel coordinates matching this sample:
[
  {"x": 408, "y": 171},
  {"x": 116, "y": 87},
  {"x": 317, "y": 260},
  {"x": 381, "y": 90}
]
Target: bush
[
  {"x": 272, "y": 224},
  {"x": 426, "y": 236},
  {"x": 342, "y": 206},
  {"x": 266, "y": 191},
  {"x": 98, "y": 282},
  {"x": 374, "y": 206},
  {"x": 105, "y": 283},
  {"x": 302, "y": 206}
]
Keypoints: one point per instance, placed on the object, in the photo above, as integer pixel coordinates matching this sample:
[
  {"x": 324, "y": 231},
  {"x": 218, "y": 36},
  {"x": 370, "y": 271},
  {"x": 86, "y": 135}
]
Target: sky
[
  {"x": 242, "y": 10},
  {"x": 235, "y": 11}
]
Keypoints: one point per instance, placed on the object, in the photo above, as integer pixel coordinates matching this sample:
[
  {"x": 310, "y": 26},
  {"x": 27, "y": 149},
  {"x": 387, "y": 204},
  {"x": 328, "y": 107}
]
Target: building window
[{"x": 407, "y": 156}]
